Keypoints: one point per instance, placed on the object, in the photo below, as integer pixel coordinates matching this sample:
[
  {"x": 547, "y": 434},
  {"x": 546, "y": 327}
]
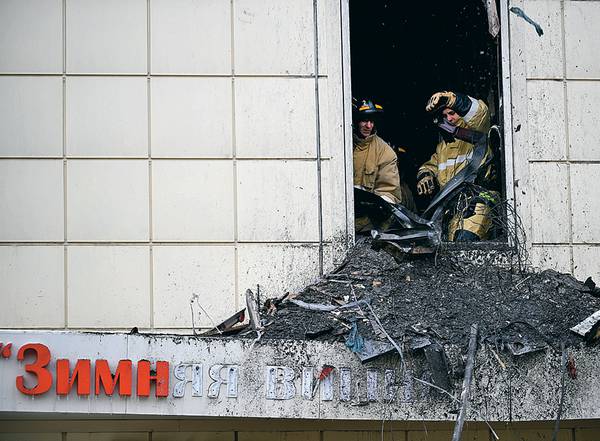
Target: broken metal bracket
[
  {"x": 227, "y": 326},
  {"x": 589, "y": 329}
]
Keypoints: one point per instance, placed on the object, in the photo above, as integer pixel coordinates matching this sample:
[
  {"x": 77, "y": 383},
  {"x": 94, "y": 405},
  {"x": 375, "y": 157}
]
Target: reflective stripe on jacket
[
  {"x": 451, "y": 157},
  {"x": 376, "y": 168}
]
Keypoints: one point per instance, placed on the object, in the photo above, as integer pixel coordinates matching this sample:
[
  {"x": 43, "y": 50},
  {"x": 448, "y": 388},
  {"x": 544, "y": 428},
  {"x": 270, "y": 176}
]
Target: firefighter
[
  {"x": 375, "y": 163},
  {"x": 471, "y": 221}
]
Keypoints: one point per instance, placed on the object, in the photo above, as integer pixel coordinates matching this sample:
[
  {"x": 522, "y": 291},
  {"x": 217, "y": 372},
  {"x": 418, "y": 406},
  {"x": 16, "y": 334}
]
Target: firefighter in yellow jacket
[
  {"x": 375, "y": 163},
  {"x": 452, "y": 155}
]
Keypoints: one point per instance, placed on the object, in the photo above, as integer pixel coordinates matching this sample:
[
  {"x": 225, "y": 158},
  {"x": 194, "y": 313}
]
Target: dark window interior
[{"x": 402, "y": 52}]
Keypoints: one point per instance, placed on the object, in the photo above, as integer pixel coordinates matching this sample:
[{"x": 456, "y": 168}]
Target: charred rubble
[{"x": 431, "y": 301}]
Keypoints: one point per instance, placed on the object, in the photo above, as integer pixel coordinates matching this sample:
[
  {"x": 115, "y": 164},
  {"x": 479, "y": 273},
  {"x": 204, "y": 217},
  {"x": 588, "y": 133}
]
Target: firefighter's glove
[
  {"x": 426, "y": 185},
  {"x": 440, "y": 100}
]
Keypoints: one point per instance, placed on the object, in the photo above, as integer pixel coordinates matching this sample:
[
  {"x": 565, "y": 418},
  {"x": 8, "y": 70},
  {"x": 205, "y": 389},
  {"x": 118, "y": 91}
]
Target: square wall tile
[
  {"x": 289, "y": 131},
  {"x": 107, "y": 436},
  {"x": 329, "y": 29},
  {"x": 31, "y": 116},
  {"x": 107, "y": 116},
  {"x": 193, "y": 436},
  {"x": 585, "y": 203},
  {"x": 107, "y": 200},
  {"x": 191, "y": 36},
  {"x": 32, "y": 289},
  {"x": 31, "y": 200},
  {"x": 548, "y": 196},
  {"x": 543, "y": 55},
  {"x": 108, "y": 286},
  {"x": 30, "y": 436},
  {"x": 182, "y": 272},
  {"x": 334, "y": 204},
  {"x": 586, "y": 434},
  {"x": 191, "y": 117},
  {"x": 443, "y": 435},
  {"x": 277, "y": 268},
  {"x": 279, "y": 436},
  {"x": 31, "y": 36},
  {"x": 331, "y": 119},
  {"x": 585, "y": 262},
  {"x": 274, "y": 37},
  {"x": 106, "y": 36},
  {"x": 363, "y": 435},
  {"x": 582, "y": 101},
  {"x": 557, "y": 258},
  {"x": 333, "y": 256},
  {"x": 546, "y": 120},
  {"x": 192, "y": 200},
  {"x": 546, "y": 434},
  {"x": 277, "y": 201},
  {"x": 331, "y": 216},
  {"x": 582, "y": 39}
]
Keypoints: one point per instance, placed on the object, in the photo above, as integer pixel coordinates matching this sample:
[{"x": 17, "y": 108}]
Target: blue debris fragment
[{"x": 355, "y": 342}]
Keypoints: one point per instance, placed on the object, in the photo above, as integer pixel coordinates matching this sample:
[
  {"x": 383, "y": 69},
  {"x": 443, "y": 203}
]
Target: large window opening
[{"x": 402, "y": 53}]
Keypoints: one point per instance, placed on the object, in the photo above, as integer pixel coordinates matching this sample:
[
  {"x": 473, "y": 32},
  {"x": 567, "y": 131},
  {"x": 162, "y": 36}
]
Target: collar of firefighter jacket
[{"x": 363, "y": 143}]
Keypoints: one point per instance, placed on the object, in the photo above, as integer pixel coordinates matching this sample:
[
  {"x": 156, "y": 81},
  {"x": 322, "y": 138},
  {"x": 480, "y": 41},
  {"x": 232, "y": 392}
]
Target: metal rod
[{"x": 464, "y": 395}]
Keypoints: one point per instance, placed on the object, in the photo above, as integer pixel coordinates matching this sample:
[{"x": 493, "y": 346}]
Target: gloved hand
[
  {"x": 439, "y": 100},
  {"x": 426, "y": 184}
]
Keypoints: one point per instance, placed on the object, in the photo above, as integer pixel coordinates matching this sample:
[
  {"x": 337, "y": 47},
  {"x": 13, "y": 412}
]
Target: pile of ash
[{"x": 436, "y": 299}]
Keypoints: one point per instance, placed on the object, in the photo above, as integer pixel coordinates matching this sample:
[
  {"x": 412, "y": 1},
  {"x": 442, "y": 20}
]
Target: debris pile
[{"x": 373, "y": 302}]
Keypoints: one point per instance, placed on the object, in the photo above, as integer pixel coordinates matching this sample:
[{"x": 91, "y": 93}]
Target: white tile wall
[
  {"x": 108, "y": 286},
  {"x": 180, "y": 272},
  {"x": 31, "y": 200},
  {"x": 560, "y": 195},
  {"x": 106, "y": 116},
  {"x": 277, "y": 201},
  {"x": 543, "y": 55},
  {"x": 546, "y": 120},
  {"x": 549, "y": 202},
  {"x": 557, "y": 258},
  {"x": 31, "y": 36},
  {"x": 275, "y": 117},
  {"x": 586, "y": 203},
  {"x": 106, "y": 36},
  {"x": 192, "y": 200},
  {"x": 276, "y": 268},
  {"x": 32, "y": 288},
  {"x": 274, "y": 37},
  {"x": 191, "y": 36},
  {"x": 31, "y": 116},
  {"x": 107, "y": 200},
  {"x": 157, "y": 128},
  {"x": 191, "y": 117},
  {"x": 582, "y": 39},
  {"x": 585, "y": 259},
  {"x": 584, "y": 119}
]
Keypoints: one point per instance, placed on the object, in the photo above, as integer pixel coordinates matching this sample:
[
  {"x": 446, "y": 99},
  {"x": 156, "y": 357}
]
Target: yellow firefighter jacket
[
  {"x": 376, "y": 169},
  {"x": 451, "y": 157}
]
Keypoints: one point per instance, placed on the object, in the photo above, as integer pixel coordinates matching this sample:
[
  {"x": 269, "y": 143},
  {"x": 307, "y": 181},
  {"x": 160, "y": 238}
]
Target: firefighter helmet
[{"x": 365, "y": 109}]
